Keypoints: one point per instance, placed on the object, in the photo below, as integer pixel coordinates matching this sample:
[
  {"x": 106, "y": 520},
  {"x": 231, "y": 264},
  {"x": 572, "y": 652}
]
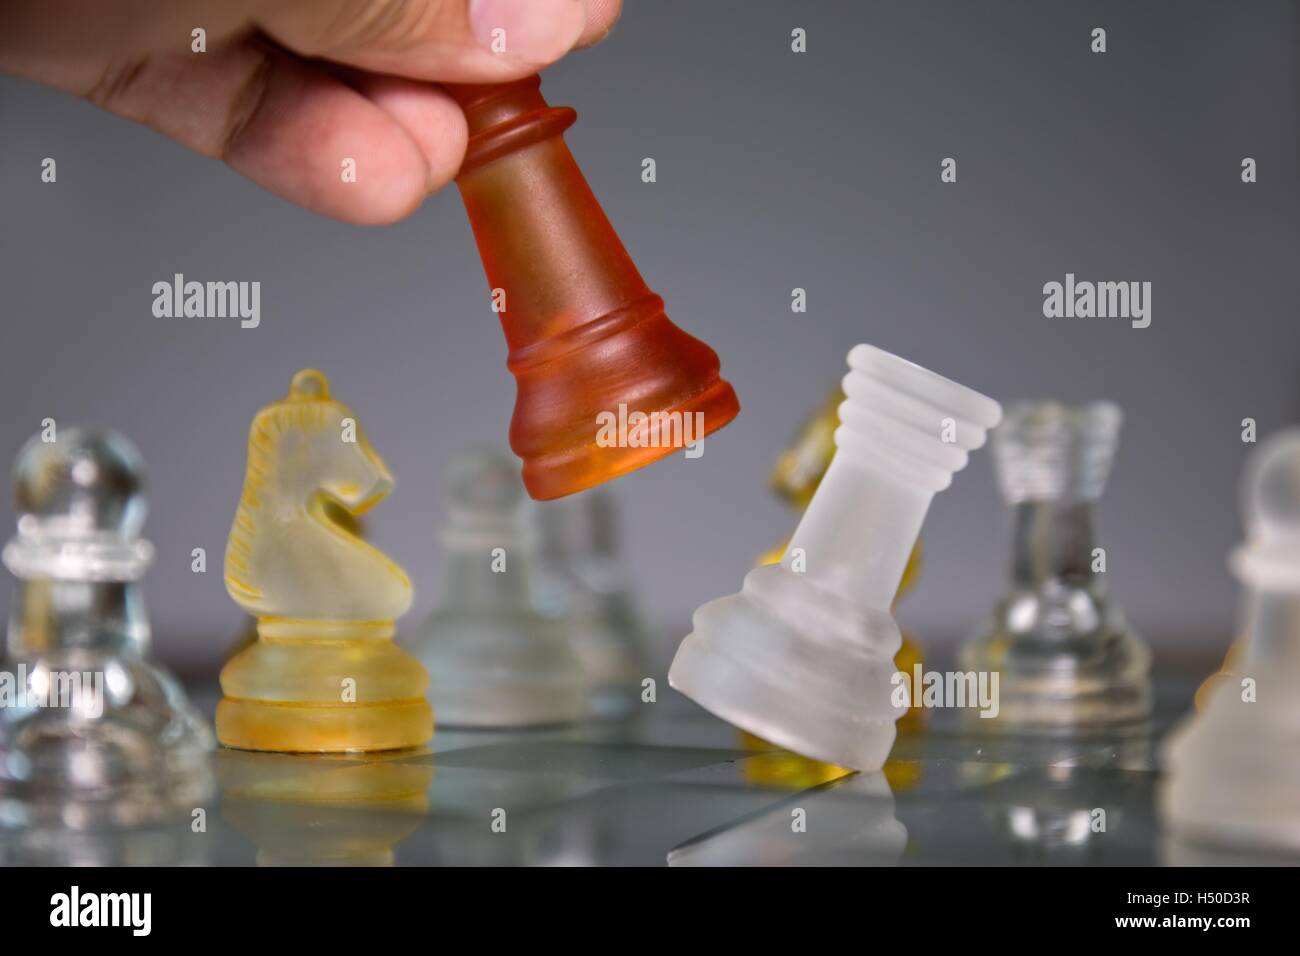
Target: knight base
[{"x": 298, "y": 695}]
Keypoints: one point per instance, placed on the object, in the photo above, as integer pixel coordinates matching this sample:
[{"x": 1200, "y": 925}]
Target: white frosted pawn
[
  {"x": 493, "y": 659},
  {"x": 580, "y": 582},
  {"x": 92, "y": 733},
  {"x": 803, "y": 655},
  {"x": 1233, "y": 770}
]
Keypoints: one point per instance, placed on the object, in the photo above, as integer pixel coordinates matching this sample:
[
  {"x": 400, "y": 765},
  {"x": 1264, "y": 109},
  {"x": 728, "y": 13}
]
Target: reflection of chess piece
[
  {"x": 324, "y": 674},
  {"x": 580, "y": 582},
  {"x": 1063, "y": 813},
  {"x": 803, "y": 654},
  {"x": 585, "y": 334},
  {"x": 93, "y": 732},
  {"x": 168, "y": 843},
  {"x": 323, "y": 809},
  {"x": 849, "y": 822},
  {"x": 1231, "y": 769},
  {"x": 1065, "y": 658},
  {"x": 795, "y": 478},
  {"x": 494, "y": 660}
]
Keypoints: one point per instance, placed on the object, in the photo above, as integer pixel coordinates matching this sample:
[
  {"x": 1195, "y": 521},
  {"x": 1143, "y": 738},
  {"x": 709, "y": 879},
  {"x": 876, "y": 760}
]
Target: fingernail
[{"x": 538, "y": 31}]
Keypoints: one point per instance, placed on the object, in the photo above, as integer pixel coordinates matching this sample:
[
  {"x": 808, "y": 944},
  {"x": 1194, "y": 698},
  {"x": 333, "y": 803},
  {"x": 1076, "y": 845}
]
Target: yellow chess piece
[
  {"x": 781, "y": 769},
  {"x": 798, "y": 472},
  {"x": 247, "y": 636},
  {"x": 1229, "y": 672},
  {"x": 324, "y": 675}
]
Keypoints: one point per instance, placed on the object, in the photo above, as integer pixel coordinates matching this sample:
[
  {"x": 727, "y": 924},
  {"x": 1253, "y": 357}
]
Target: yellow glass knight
[{"x": 324, "y": 675}]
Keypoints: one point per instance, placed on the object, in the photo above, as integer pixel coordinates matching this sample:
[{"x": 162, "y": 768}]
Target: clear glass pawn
[
  {"x": 494, "y": 659},
  {"x": 581, "y": 583},
  {"x": 1065, "y": 659},
  {"x": 94, "y": 733}
]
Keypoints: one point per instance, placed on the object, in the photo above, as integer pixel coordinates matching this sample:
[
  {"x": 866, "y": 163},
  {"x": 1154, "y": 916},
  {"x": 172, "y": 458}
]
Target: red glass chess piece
[{"x": 586, "y": 335}]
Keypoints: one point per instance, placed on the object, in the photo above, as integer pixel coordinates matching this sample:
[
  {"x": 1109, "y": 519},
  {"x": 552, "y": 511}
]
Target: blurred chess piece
[
  {"x": 795, "y": 478},
  {"x": 1231, "y": 770},
  {"x": 586, "y": 336},
  {"x": 803, "y": 654},
  {"x": 1229, "y": 672},
  {"x": 581, "y": 583},
  {"x": 494, "y": 660},
  {"x": 323, "y": 809},
  {"x": 93, "y": 733},
  {"x": 1066, "y": 660},
  {"x": 802, "y": 465},
  {"x": 847, "y": 822},
  {"x": 324, "y": 675}
]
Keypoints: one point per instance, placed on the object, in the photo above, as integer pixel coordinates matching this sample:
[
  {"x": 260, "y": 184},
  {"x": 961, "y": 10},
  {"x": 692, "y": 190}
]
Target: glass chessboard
[{"x": 673, "y": 786}]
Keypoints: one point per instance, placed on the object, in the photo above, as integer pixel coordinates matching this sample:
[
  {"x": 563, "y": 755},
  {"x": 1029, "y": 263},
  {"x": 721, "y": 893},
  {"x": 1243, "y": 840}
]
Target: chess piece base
[
  {"x": 1068, "y": 686},
  {"x": 1232, "y": 772},
  {"x": 327, "y": 695},
  {"x": 500, "y": 670},
  {"x": 810, "y": 688},
  {"x": 611, "y": 665},
  {"x": 506, "y": 705},
  {"x": 142, "y": 760},
  {"x": 612, "y": 702},
  {"x": 573, "y": 469},
  {"x": 318, "y": 728}
]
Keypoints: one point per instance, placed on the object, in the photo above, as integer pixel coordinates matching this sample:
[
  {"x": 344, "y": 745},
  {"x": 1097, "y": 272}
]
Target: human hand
[{"x": 286, "y": 90}]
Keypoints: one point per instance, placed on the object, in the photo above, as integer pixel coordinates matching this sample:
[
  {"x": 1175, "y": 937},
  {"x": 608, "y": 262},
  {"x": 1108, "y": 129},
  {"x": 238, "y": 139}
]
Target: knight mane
[{"x": 306, "y": 417}]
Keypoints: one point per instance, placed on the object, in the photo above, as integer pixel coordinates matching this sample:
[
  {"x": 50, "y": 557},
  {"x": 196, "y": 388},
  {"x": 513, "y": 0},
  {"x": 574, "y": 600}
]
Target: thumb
[
  {"x": 467, "y": 41},
  {"x": 449, "y": 40}
]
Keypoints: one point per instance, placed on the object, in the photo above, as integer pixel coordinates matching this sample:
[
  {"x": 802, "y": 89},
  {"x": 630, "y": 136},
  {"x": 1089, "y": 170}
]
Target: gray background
[{"x": 775, "y": 170}]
